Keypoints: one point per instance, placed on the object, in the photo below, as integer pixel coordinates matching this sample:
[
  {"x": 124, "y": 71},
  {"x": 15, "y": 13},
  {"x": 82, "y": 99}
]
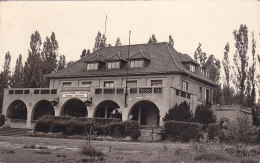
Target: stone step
[{"x": 14, "y": 132}]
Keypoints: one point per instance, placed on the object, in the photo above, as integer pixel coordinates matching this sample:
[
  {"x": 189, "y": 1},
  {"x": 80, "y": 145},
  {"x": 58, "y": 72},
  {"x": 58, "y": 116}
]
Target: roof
[{"x": 162, "y": 58}]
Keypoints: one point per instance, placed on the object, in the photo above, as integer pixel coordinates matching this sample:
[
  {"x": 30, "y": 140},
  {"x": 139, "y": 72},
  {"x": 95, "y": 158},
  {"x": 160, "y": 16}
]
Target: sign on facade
[{"x": 73, "y": 94}]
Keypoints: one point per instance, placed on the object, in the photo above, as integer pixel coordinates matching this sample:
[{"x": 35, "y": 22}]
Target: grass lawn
[{"x": 36, "y": 149}]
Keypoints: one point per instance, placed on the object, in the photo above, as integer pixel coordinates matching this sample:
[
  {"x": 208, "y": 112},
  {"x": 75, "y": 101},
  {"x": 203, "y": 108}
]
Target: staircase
[{"x": 15, "y": 132}]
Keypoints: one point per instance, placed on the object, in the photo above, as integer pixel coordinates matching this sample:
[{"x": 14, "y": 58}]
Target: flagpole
[{"x": 127, "y": 66}]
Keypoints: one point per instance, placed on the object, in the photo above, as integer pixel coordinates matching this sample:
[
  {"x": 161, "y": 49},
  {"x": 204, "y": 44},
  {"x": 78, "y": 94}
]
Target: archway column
[
  {"x": 29, "y": 116},
  {"x": 139, "y": 114}
]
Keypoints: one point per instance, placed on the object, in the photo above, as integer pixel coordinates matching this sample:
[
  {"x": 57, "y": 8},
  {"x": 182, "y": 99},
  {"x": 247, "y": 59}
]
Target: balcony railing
[
  {"x": 27, "y": 91},
  {"x": 183, "y": 94},
  {"x": 143, "y": 90}
]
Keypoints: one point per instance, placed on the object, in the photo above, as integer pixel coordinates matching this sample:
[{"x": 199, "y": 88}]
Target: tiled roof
[
  {"x": 140, "y": 55},
  {"x": 163, "y": 59},
  {"x": 115, "y": 57}
]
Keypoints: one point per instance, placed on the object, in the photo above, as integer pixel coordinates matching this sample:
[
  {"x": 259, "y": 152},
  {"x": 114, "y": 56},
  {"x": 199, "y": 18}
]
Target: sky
[{"x": 76, "y": 24}]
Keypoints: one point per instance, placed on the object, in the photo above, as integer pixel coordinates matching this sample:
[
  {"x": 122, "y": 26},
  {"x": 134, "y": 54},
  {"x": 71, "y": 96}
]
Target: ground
[{"x": 37, "y": 149}]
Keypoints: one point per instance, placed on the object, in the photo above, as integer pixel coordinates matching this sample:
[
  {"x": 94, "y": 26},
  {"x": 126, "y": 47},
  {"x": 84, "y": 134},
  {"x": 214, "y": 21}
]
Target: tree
[
  {"x": 171, "y": 41},
  {"x": 33, "y": 66},
  {"x": 240, "y": 61},
  {"x": 100, "y": 42},
  {"x": 17, "y": 77},
  {"x": 118, "y": 42},
  {"x": 181, "y": 112},
  {"x": 49, "y": 57},
  {"x": 61, "y": 62},
  {"x": 83, "y": 54},
  {"x": 5, "y": 74},
  {"x": 226, "y": 87},
  {"x": 152, "y": 39},
  {"x": 213, "y": 67},
  {"x": 204, "y": 115},
  {"x": 69, "y": 64},
  {"x": 200, "y": 56},
  {"x": 4, "y": 77}
]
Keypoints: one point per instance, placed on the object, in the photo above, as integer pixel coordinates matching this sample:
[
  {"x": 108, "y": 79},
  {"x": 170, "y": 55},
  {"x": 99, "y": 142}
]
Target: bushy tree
[
  {"x": 204, "y": 115},
  {"x": 181, "y": 112},
  {"x": 17, "y": 77},
  {"x": 200, "y": 56},
  {"x": 118, "y": 42},
  {"x": 33, "y": 65},
  {"x": 241, "y": 130},
  {"x": 5, "y": 74},
  {"x": 171, "y": 41},
  {"x": 152, "y": 39},
  {"x": 226, "y": 86},
  {"x": 5, "y": 77},
  {"x": 100, "y": 41},
  {"x": 241, "y": 61},
  {"x": 61, "y": 62}
]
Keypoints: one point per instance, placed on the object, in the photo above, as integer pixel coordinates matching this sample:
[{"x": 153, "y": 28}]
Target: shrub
[
  {"x": 43, "y": 125},
  {"x": 213, "y": 131},
  {"x": 181, "y": 112},
  {"x": 182, "y": 131},
  {"x": 116, "y": 129},
  {"x": 92, "y": 154},
  {"x": 211, "y": 157},
  {"x": 78, "y": 127},
  {"x": 2, "y": 120},
  {"x": 204, "y": 115},
  {"x": 58, "y": 126},
  {"x": 132, "y": 129},
  {"x": 241, "y": 130},
  {"x": 131, "y": 125}
]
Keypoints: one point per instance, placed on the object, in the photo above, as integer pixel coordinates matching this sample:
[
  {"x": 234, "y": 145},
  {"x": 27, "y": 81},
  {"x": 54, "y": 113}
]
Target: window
[
  {"x": 137, "y": 63},
  {"x": 113, "y": 65},
  {"x": 131, "y": 84},
  {"x": 192, "y": 68},
  {"x": 200, "y": 93},
  {"x": 92, "y": 66},
  {"x": 86, "y": 84},
  {"x": 108, "y": 84},
  {"x": 202, "y": 71},
  {"x": 156, "y": 83},
  {"x": 185, "y": 86},
  {"x": 207, "y": 95},
  {"x": 207, "y": 73},
  {"x": 66, "y": 84}
]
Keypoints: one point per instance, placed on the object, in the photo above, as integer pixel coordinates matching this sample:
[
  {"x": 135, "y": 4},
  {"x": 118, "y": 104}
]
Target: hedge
[
  {"x": 182, "y": 131},
  {"x": 2, "y": 120},
  {"x": 83, "y": 126}
]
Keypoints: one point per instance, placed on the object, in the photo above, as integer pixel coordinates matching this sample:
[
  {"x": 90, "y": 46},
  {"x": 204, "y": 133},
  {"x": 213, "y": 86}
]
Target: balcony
[
  {"x": 28, "y": 91},
  {"x": 138, "y": 90}
]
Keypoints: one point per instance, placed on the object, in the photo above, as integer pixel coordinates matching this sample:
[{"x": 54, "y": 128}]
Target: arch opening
[
  {"x": 108, "y": 109},
  {"x": 145, "y": 112},
  {"x": 43, "y": 108},
  {"x": 17, "y": 110},
  {"x": 75, "y": 108}
]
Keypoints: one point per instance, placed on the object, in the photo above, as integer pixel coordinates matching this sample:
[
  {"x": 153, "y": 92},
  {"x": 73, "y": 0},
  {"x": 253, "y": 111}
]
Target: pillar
[{"x": 139, "y": 114}]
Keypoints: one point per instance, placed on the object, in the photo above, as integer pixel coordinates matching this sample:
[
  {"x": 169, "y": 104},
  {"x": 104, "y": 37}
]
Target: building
[{"x": 140, "y": 85}]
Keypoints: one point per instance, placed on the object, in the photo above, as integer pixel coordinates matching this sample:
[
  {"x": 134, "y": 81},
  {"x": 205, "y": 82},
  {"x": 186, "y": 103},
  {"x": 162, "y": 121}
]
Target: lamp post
[{"x": 55, "y": 101}]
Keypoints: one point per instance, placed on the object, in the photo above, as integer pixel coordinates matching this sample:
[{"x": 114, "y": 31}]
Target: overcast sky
[{"x": 76, "y": 24}]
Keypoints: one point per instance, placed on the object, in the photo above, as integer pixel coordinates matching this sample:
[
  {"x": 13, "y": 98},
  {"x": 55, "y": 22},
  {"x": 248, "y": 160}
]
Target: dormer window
[
  {"x": 92, "y": 66},
  {"x": 136, "y": 63},
  {"x": 192, "y": 68},
  {"x": 113, "y": 65}
]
